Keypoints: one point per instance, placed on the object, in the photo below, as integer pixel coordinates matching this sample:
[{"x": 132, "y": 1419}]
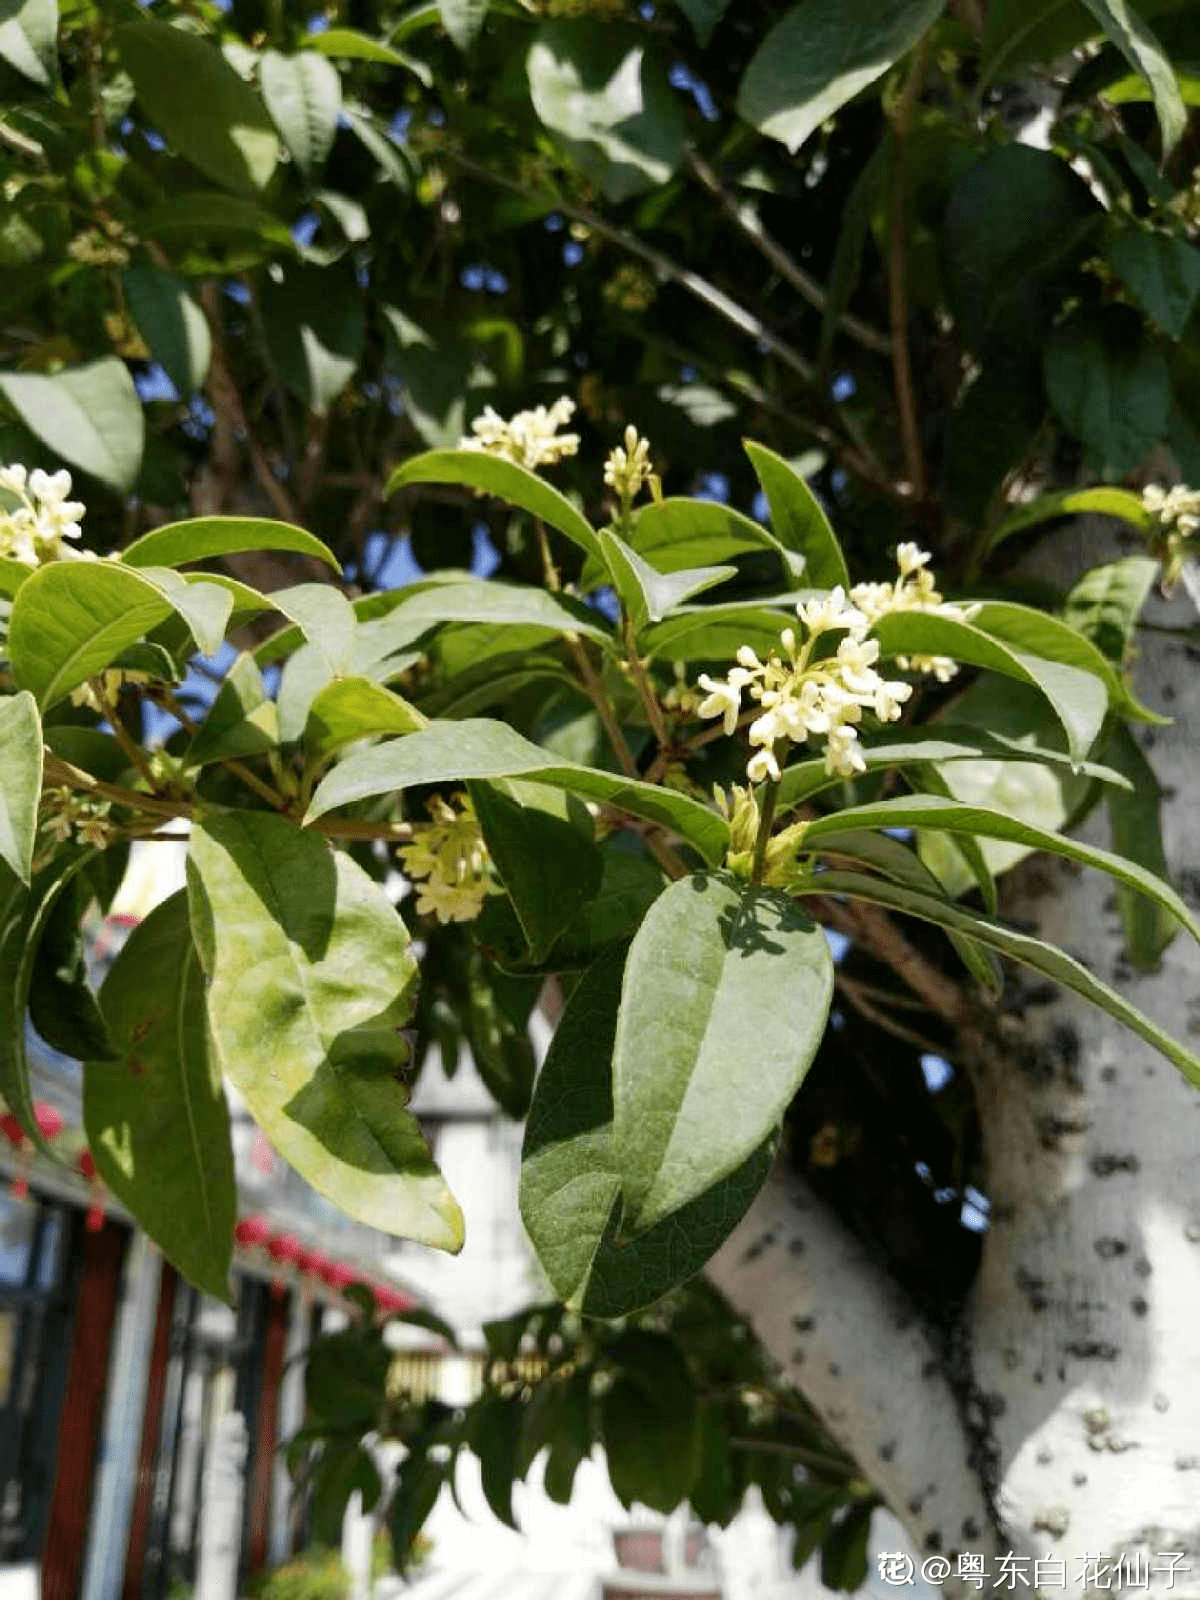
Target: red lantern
[
  {"x": 251, "y": 1231},
  {"x": 283, "y": 1247},
  {"x": 50, "y": 1123}
]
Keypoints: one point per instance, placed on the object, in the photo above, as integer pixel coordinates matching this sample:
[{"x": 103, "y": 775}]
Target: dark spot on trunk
[
  {"x": 1139, "y": 1307},
  {"x": 887, "y": 1452},
  {"x": 1108, "y": 1249},
  {"x": 1103, "y": 1166},
  {"x": 804, "y": 1324},
  {"x": 1092, "y": 1350}
]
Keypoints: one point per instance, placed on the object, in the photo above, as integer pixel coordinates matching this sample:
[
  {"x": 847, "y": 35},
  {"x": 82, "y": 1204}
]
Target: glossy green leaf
[
  {"x": 1161, "y": 272},
  {"x": 797, "y": 519},
  {"x": 462, "y": 19},
  {"x": 311, "y": 976},
  {"x": 570, "y": 1189},
  {"x": 506, "y": 481},
  {"x": 171, "y": 323},
  {"x": 496, "y": 601},
  {"x": 1125, "y": 27},
  {"x": 303, "y": 95},
  {"x": 20, "y": 781},
  {"x": 242, "y": 720},
  {"x": 497, "y": 1032},
  {"x": 62, "y": 1004},
  {"x": 953, "y": 816},
  {"x": 650, "y": 1422},
  {"x": 1049, "y": 638},
  {"x": 74, "y": 618},
  {"x": 156, "y": 1119},
  {"x": 202, "y": 538},
  {"x": 647, "y": 595},
  {"x": 1107, "y": 502},
  {"x": 1107, "y": 602},
  {"x": 355, "y": 708},
  {"x": 820, "y": 55},
  {"x": 1078, "y": 697},
  {"x": 1108, "y": 382},
  {"x": 695, "y": 1094},
  {"x": 29, "y": 39},
  {"x": 549, "y": 865},
  {"x": 24, "y": 913},
  {"x": 936, "y": 742},
  {"x": 316, "y": 331},
  {"x": 348, "y": 44},
  {"x": 326, "y": 619},
  {"x": 207, "y": 214},
  {"x": 1043, "y": 958},
  {"x": 207, "y": 112},
  {"x": 89, "y": 415},
  {"x": 715, "y": 633},
  {"x": 675, "y": 533},
  {"x": 1135, "y": 830},
  {"x": 480, "y": 748},
  {"x": 12, "y": 575},
  {"x": 605, "y": 96}
]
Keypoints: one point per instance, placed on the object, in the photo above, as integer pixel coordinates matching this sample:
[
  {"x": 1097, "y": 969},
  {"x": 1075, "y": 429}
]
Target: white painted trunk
[{"x": 1081, "y": 1355}]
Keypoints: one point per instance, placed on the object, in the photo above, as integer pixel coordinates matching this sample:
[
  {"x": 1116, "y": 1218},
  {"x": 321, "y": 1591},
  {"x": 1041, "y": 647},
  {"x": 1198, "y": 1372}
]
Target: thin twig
[
  {"x": 642, "y": 684},
  {"x": 59, "y": 771},
  {"x": 854, "y": 992},
  {"x": 906, "y": 403},
  {"x": 785, "y": 265},
  {"x": 133, "y": 751}
]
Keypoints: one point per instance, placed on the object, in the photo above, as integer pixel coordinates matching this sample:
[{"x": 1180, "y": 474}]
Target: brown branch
[
  {"x": 858, "y": 998},
  {"x": 906, "y": 403},
  {"x": 59, "y": 771},
  {"x": 746, "y": 218}
]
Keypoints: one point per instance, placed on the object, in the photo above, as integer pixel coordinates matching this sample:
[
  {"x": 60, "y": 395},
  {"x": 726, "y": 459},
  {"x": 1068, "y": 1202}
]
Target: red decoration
[
  {"x": 12, "y": 1130},
  {"x": 283, "y": 1247},
  {"x": 86, "y": 1164},
  {"x": 251, "y": 1231},
  {"x": 49, "y": 1122}
]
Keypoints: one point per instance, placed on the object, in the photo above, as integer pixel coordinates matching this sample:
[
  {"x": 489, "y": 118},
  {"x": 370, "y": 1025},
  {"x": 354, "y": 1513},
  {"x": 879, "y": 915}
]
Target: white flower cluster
[
  {"x": 1177, "y": 508},
  {"x": 36, "y": 530},
  {"x": 448, "y": 862},
  {"x": 914, "y": 590},
  {"x": 531, "y": 438},
  {"x": 66, "y": 814},
  {"x": 800, "y": 696},
  {"x": 628, "y": 467}
]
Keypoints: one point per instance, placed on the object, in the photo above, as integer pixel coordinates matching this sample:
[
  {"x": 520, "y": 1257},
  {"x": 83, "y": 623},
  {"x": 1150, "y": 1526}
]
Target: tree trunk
[{"x": 1068, "y": 1424}]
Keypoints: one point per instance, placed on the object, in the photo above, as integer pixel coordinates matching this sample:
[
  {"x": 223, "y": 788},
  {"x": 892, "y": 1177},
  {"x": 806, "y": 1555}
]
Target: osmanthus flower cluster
[
  {"x": 38, "y": 528},
  {"x": 1178, "y": 513},
  {"x": 802, "y": 695},
  {"x": 530, "y": 439},
  {"x": 449, "y": 862}
]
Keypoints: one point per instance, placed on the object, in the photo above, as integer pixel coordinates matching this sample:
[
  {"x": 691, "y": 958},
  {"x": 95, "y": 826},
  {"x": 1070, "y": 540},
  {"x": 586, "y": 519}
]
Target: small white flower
[
  {"x": 763, "y": 765},
  {"x": 909, "y": 557},
  {"x": 843, "y": 754},
  {"x": 834, "y": 611},
  {"x": 723, "y": 701},
  {"x": 628, "y": 467},
  {"x": 531, "y": 439}
]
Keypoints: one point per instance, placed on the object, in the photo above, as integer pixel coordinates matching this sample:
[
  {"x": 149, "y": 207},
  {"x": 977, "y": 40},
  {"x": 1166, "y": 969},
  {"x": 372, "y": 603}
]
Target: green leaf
[
  {"x": 1146, "y": 56},
  {"x": 676, "y": 533},
  {"x": 703, "y": 16},
  {"x": 650, "y": 1422},
  {"x": 347, "y": 44},
  {"x": 820, "y": 55},
  {"x": 29, "y": 39},
  {"x": 201, "y": 538},
  {"x": 207, "y": 214},
  {"x": 316, "y": 330},
  {"x": 24, "y": 913},
  {"x": 62, "y": 1004},
  {"x": 953, "y": 816},
  {"x": 506, "y": 481},
  {"x": 1105, "y": 502},
  {"x": 171, "y": 323},
  {"x": 647, "y": 595},
  {"x": 715, "y": 633},
  {"x": 311, "y": 975},
  {"x": 1049, "y": 638},
  {"x": 242, "y": 720},
  {"x": 495, "y": 1437},
  {"x": 1161, "y": 272},
  {"x": 12, "y": 575},
  {"x": 89, "y": 415},
  {"x": 496, "y": 601},
  {"x": 208, "y": 113},
  {"x": 1107, "y": 602},
  {"x": 1043, "y": 958},
  {"x": 607, "y": 99},
  {"x": 1135, "y": 829},
  {"x": 499, "y": 1041},
  {"x": 570, "y": 1189},
  {"x": 303, "y": 94},
  {"x": 694, "y": 1094},
  {"x": 797, "y": 518},
  {"x": 156, "y": 1119},
  {"x": 326, "y": 619},
  {"x": 844, "y": 1550},
  {"x": 1017, "y": 223},
  {"x": 549, "y": 865},
  {"x": 74, "y": 618},
  {"x": 345, "y": 1378},
  {"x": 480, "y": 748},
  {"x": 355, "y": 708},
  {"x": 419, "y": 1481},
  {"x": 344, "y": 1468},
  {"x": 1078, "y": 698},
  {"x": 1108, "y": 382},
  {"x": 20, "y": 781},
  {"x": 462, "y": 19}
]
